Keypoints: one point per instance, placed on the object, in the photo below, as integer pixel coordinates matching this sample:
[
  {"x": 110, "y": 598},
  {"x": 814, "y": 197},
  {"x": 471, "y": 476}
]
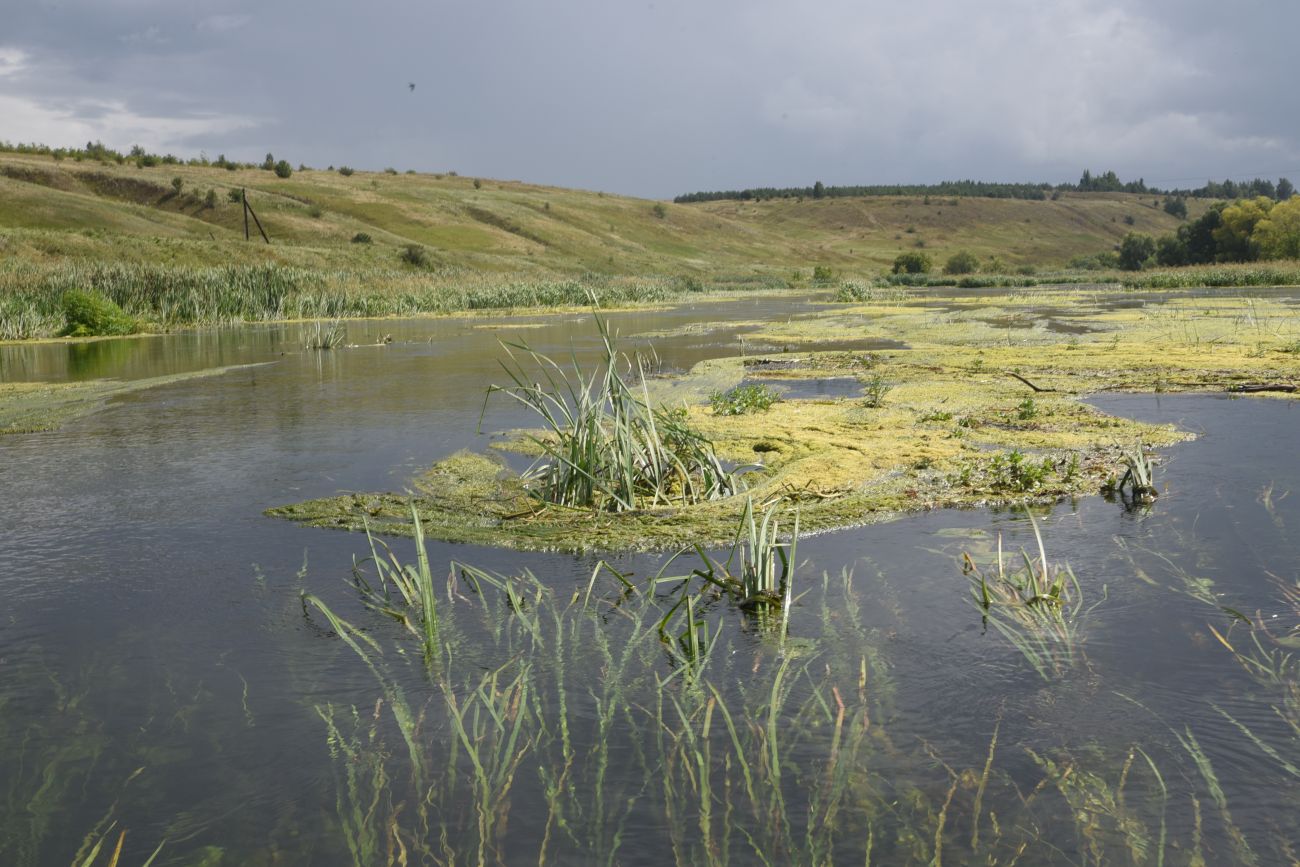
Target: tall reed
[
  {"x": 605, "y": 445},
  {"x": 1036, "y": 606}
]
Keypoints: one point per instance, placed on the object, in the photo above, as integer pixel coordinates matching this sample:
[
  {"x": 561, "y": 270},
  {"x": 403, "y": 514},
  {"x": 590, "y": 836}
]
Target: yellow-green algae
[
  {"x": 943, "y": 435},
  {"x": 30, "y": 407}
]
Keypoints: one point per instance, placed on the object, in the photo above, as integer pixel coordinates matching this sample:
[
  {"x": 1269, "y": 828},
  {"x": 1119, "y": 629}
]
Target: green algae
[
  {"x": 951, "y": 431},
  {"x": 30, "y": 407}
]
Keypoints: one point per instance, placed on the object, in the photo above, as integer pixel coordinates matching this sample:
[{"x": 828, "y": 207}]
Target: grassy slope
[{"x": 52, "y": 210}]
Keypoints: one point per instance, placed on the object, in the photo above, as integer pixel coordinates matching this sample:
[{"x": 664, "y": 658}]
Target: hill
[{"x": 122, "y": 213}]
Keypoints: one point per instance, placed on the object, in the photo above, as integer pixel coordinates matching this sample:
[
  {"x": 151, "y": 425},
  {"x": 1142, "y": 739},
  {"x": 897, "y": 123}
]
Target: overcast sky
[{"x": 669, "y": 96}]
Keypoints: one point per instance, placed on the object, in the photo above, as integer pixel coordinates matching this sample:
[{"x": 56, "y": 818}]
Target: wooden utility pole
[{"x": 248, "y": 209}]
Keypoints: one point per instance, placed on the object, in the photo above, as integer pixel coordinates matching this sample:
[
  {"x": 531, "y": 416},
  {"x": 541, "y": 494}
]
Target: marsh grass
[
  {"x": 1035, "y": 605},
  {"x": 177, "y": 296},
  {"x": 324, "y": 336},
  {"x": 516, "y": 754},
  {"x": 605, "y": 446}
]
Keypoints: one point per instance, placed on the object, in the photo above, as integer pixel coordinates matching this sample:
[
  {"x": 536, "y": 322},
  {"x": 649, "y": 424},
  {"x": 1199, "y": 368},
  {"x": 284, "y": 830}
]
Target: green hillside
[{"x": 51, "y": 210}]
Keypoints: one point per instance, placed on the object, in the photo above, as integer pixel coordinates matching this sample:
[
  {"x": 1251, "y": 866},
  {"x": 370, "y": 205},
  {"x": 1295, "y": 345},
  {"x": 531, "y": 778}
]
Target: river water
[{"x": 159, "y": 675}]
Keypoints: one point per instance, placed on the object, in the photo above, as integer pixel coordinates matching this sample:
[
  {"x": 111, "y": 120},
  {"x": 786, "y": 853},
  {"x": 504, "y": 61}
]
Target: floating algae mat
[
  {"x": 971, "y": 413},
  {"x": 28, "y": 407}
]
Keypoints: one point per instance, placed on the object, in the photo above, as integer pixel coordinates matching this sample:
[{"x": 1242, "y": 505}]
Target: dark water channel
[{"x": 157, "y": 670}]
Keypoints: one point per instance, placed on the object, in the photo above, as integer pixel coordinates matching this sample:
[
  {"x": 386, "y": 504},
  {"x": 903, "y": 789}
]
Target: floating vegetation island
[{"x": 985, "y": 405}]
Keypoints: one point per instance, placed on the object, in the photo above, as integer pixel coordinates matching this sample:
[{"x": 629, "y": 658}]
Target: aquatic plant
[
  {"x": 91, "y": 857},
  {"x": 743, "y": 399},
  {"x": 759, "y": 570},
  {"x": 1036, "y": 606},
  {"x": 605, "y": 445},
  {"x": 323, "y": 336},
  {"x": 1015, "y": 472},
  {"x": 1138, "y": 476}
]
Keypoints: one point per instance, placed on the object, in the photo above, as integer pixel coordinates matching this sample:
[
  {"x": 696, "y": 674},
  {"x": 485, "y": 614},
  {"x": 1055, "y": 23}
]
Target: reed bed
[
  {"x": 174, "y": 296},
  {"x": 1215, "y": 276}
]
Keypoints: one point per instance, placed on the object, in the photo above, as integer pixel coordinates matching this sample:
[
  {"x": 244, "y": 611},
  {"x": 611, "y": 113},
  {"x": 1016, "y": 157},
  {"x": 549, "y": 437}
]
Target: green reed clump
[
  {"x": 605, "y": 445},
  {"x": 1036, "y": 606},
  {"x": 758, "y": 573},
  {"x": 1138, "y": 478},
  {"x": 324, "y": 336},
  {"x": 743, "y": 399}
]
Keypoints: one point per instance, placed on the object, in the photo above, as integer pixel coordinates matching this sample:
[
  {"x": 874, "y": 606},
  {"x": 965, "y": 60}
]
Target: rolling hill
[{"x": 120, "y": 213}]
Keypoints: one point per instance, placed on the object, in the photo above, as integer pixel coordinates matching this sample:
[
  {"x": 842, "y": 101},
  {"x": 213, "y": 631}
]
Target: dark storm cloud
[{"x": 668, "y": 96}]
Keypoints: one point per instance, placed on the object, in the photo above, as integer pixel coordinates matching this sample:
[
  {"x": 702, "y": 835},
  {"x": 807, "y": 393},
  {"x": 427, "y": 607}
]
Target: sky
[{"x": 671, "y": 96}]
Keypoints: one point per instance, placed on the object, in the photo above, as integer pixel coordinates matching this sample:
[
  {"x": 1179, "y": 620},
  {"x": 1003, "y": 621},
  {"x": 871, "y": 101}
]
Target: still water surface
[{"x": 156, "y": 665}]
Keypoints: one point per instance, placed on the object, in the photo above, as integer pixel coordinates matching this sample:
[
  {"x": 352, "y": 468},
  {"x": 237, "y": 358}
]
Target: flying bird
[{"x": 412, "y": 86}]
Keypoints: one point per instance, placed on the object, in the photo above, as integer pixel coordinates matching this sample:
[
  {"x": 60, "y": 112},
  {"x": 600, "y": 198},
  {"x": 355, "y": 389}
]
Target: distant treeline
[{"x": 1106, "y": 182}]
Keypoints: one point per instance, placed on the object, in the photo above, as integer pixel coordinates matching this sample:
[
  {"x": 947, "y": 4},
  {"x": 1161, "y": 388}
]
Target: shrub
[
  {"x": 659, "y": 210},
  {"x": 235, "y": 196},
  {"x": 414, "y": 254},
  {"x": 874, "y": 391},
  {"x": 823, "y": 274},
  {"x": 283, "y": 169},
  {"x": 178, "y": 184},
  {"x": 89, "y": 314},
  {"x": 346, "y": 171},
  {"x": 210, "y": 199},
  {"x": 961, "y": 262},
  {"x": 1129, "y": 220},
  {"x": 478, "y": 185},
  {"x": 315, "y": 212},
  {"x": 390, "y": 171},
  {"x": 743, "y": 399},
  {"x": 362, "y": 238},
  {"x": 912, "y": 263}
]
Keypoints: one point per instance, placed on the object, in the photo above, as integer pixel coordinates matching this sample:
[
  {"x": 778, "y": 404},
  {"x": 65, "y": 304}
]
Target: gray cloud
[{"x": 668, "y": 96}]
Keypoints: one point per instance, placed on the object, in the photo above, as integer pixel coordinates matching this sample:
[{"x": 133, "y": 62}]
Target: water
[{"x": 157, "y": 669}]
